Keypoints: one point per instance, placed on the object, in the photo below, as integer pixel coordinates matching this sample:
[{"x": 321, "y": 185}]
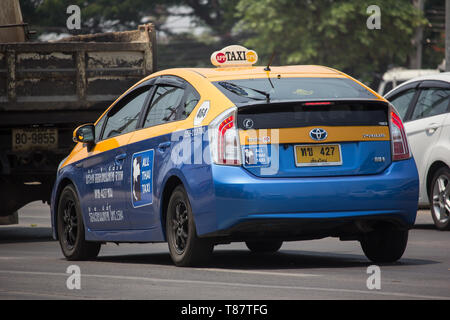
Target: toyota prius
[{"x": 197, "y": 157}]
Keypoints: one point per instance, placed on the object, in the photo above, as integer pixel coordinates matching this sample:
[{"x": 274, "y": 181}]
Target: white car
[
  {"x": 395, "y": 77},
  {"x": 424, "y": 105}
]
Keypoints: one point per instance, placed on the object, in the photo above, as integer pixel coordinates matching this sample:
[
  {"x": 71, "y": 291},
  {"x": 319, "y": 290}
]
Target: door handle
[
  {"x": 432, "y": 127},
  {"x": 164, "y": 145},
  {"x": 120, "y": 158}
]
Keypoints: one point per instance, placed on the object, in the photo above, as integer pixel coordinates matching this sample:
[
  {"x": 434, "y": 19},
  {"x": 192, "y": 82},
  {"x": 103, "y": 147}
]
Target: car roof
[
  {"x": 253, "y": 72},
  {"x": 407, "y": 74},
  {"x": 444, "y": 76},
  {"x": 214, "y": 74}
]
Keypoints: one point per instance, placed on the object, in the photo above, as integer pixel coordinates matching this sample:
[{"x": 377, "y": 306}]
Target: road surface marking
[
  {"x": 45, "y": 295},
  {"x": 233, "y": 284},
  {"x": 264, "y": 273}
]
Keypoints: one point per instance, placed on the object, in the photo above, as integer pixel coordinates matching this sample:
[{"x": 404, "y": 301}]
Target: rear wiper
[{"x": 240, "y": 90}]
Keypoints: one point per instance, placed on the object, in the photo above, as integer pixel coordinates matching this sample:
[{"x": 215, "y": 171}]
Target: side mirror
[{"x": 84, "y": 134}]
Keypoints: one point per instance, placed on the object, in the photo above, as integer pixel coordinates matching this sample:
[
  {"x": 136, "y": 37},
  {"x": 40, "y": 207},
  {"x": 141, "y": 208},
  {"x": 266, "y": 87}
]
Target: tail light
[
  {"x": 400, "y": 147},
  {"x": 224, "y": 139}
]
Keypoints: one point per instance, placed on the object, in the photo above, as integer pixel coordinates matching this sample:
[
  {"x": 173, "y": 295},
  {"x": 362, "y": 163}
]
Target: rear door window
[
  {"x": 431, "y": 102},
  {"x": 164, "y": 106},
  {"x": 190, "y": 101}
]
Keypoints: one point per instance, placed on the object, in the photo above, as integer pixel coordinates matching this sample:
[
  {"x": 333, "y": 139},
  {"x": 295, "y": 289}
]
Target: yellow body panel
[
  {"x": 231, "y": 73},
  {"x": 80, "y": 151},
  {"x": 301, "y": 135},
  {"x": 201, "y": 79},
  {"x": 160, "y": 130}
]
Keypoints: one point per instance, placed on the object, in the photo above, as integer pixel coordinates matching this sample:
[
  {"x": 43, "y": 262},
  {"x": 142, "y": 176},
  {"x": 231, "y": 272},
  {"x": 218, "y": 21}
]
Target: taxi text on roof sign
[{"x": 233, "y": 56}]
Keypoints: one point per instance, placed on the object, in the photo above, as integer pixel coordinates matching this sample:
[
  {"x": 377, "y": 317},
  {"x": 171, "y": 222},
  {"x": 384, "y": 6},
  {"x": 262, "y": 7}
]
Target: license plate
[
  {"x": 318, "y": 155},
  {"x": 34, "y": 138}
]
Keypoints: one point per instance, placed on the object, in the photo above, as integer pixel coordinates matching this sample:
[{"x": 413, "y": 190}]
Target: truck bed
[
  {"x": 82, "y": 73},
  {"x": 47, "y": 90}
]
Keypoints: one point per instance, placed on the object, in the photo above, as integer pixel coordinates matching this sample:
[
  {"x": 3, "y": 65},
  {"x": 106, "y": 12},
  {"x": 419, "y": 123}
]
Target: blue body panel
[
  {"x": 101, "y": 183},
  {"x": 140, "y": 223},
  {"x": 240, "y": 196},
  {"x": 357, "y": 159},
  {"x": 224, "y": 196}
]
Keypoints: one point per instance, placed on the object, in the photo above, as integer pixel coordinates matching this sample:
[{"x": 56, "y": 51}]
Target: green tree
[
  {"x": 115, "y": 15},
  {"x": 218, "y": 15},
  {"x": 327, "y": 32},
  {"x": 332, "y": 33},
  {"x": 100, "y": 15},
  {"x": 97, "y": 15},
  {"x": 434, "y": 34}
]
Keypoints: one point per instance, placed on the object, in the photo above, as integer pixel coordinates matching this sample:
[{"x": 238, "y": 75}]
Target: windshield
[{"x": 242, "y": 91}]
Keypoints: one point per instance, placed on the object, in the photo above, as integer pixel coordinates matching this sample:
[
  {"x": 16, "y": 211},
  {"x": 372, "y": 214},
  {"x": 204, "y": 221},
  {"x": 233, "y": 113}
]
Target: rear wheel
[
  {"x": 70, "y": 226},
  {"x": 385, "y": 245},
  {"x": 186, "y": 249},
  {"x": 264, "y": 246},
  {"x": 440, "y": 199}
]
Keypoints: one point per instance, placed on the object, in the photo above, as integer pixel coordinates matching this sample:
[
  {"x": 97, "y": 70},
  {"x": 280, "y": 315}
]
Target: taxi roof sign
[{"x": 233, "y": 56}]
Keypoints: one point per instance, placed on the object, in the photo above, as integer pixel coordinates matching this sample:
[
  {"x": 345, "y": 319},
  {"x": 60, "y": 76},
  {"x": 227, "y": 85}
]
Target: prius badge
[{"x": 318, "y": 134}]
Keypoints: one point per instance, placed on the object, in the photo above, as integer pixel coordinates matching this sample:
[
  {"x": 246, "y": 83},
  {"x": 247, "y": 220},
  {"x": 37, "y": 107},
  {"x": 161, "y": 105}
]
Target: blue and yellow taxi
[{"x": 197, "y": 157}]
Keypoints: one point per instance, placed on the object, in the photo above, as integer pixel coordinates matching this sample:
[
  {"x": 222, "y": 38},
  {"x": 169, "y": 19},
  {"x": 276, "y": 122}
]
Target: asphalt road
[{"x": 32, "y": 267}]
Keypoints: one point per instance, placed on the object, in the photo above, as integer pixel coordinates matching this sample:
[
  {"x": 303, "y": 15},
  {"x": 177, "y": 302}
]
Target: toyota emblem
[{"x": 318, "y": 134}]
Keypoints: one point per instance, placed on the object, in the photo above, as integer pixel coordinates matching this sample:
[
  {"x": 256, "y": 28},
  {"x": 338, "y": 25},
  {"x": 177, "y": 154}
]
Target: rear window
[
  {"x": 296, "y": 114},
  {"x": 288, "y": 89}
]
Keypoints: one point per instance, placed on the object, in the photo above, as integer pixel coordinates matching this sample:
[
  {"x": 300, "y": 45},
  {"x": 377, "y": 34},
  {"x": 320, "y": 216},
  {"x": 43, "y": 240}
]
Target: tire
[
  {"x": 70, "y": 228},
  {"x": 186, "y": 249},
  {"x": 264, "y": 246},
  {"x": 384, "y": 245},
  {"x": 440, "y": 198}
]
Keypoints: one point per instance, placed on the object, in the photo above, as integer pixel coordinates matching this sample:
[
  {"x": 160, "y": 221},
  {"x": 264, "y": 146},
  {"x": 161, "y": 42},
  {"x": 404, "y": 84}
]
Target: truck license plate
[{"x": 34, "y": 138}]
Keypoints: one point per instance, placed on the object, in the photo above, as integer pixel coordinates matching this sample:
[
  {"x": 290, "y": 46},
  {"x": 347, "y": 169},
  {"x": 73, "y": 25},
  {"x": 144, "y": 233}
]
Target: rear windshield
[
  {"x": 295, "y": 114},
  {"x": 288, "y": 89}
]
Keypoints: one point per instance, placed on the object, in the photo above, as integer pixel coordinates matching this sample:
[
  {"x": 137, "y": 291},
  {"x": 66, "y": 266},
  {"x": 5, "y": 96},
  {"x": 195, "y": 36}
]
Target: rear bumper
[{"x": 302, "y": 205}]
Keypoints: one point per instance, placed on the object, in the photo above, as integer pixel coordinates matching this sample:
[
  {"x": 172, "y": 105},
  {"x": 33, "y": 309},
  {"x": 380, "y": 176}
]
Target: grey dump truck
[{"x": 46, "y": 91}]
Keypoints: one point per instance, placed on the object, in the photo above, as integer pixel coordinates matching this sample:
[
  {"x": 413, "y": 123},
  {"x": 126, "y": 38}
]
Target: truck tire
[
  {"x": 8, "y": 219},
  {"x": 186, "y": 249},
  {"x": 440, "y": 198},
  {"x": 70, "y": 226},
  {"x": 384, "y": 245},
  {"x": 264, "y": 246}
]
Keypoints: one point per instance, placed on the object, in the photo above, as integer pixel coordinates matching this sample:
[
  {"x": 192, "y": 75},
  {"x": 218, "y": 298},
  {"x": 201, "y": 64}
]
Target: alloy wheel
[
  {"x": 70, "y": 224},
  {"x": 441, "y": 198},
  {"x": 180, "y": 227}
]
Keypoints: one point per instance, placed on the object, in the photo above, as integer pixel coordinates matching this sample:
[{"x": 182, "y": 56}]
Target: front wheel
[
  {"x": 440, "y": 199},
  {"x": 70, "y": 226},
  {"x": 186, "y": 249},
  {"x": 384, "y": 245}
]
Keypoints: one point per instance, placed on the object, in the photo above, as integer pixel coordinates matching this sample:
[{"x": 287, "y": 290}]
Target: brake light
[
  {"x": 400, "y": 147},
  {"x": 224, "y": 139},
  {"x": 317, "y": 103}
]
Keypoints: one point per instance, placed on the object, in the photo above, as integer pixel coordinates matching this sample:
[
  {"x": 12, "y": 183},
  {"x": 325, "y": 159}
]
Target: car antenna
[
  {"x": 270, "y": 81},
  {"x": 270, "y": 62}
]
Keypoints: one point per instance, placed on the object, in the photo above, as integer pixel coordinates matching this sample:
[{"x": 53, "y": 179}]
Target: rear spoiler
[{"x": 312, "y": 102}]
